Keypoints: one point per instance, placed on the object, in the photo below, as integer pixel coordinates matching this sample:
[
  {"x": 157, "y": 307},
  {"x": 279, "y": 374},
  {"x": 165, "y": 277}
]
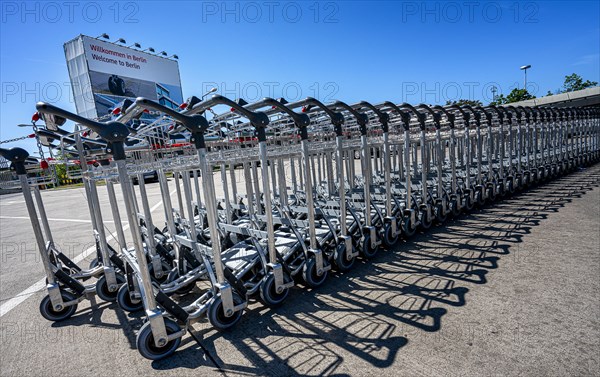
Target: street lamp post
[
  {"x": 494, "y": 91},
  {"x": 524, "y": 69}
]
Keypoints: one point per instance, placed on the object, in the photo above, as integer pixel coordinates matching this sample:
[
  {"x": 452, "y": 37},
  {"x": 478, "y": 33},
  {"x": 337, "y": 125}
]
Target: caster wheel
[
  {"x": 425, "y": 222},
  {"x": 125, "y": 301},
  {"x": 366, "y": 251},
  {"x": 438, "y": 215},
  {"x": 145, "y": 341},
  {"x": 479, "y": 199},
  {"x": 511, "y": 188},
  {"x": 269, "y": 295},
  {"x": 165, "y": 270},
  {"x": 102, "y": 288},
  {"x": 94, "y": 263},
  {"x": 309, "y": 273},
  {"x": 454, "y": 208},
  {"x": 386, "y": 236},
  {"x": 340, "y": 261},
  {"x": 490, "y": 194},
  {"x": 47, "y": 310},
  {"x": 469, "y": 204},
  {"x": 407, "y": 229},
  {"x": 218, "y": 319}
]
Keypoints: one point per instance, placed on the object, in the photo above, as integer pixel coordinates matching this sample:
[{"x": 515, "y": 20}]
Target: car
[{"x": 148, "y": 176}]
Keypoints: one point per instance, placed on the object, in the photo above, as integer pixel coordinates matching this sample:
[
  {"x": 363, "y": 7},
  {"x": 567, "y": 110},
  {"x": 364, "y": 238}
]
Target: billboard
[{"x": 103, "y": 74}]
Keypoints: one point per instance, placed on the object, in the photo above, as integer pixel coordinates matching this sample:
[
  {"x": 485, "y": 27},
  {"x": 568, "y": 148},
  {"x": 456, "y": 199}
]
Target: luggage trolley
[
  {"x": 159, "y": 336},
  {"x": 64, "y": 278},
  {"x": 390, "y": 231},
  {"x": 315, "y": 268},
  {"x": 410, "y": 213},
  {"x": 345, "y": 253},
  {"x": 370, "y": 241},
  {"x": 64, "y": 292},
  {"x": 500, "y": 150},
  {"x": 276, "y": 283}
]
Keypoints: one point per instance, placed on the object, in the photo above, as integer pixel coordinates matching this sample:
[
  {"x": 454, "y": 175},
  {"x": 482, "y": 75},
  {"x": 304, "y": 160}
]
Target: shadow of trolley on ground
[{"x": 380, "y": 306}]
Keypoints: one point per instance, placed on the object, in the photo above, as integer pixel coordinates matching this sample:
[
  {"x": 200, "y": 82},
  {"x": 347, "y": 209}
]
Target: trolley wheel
[
  {"x": 216, "y": 316},
  {"x": 309, "y": 273},
  {"x": 425, "y": 222},
  {"x": 145, "y": 341},
  {"x": 125, "y": 301},
  {"x": 454, "y": 208},
  {"x": 102, "y": 288},
  {"x": 47, "y": 310},
  {"x": 511, "y": 187},
  {"x": 269, "y": 295},
  {"x": 366, "y": 250},
  {"x": 469, "y": 204},
  {"x": 438, "y": 215},
  {"x": 479, "y": 198},
  {"x": 94, "y": 263},
  {"x": 407, "y": 229},
  {"x": 490, "y": 194},
  {"x": 386, "y": 236},
  {"x": 340, "y": 261},
  {"x": 166, "y": 269}
]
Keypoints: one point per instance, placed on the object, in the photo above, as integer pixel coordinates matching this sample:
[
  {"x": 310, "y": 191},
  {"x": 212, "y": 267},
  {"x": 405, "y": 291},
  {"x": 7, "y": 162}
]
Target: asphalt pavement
[{"x": 510, "y": 289}]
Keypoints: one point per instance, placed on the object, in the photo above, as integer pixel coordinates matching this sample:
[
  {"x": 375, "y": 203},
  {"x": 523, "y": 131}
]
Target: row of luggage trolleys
[{"x": 323, "y": 185}]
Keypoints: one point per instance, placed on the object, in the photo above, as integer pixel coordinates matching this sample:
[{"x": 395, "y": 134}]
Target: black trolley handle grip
[
  {"x": 17, "y": 156},
  {"x": 258, "y": 119},
  {"x": 114, "y": 133}
]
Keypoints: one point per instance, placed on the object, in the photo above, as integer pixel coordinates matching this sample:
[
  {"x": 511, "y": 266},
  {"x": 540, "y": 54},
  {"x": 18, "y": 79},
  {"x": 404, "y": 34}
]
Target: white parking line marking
[
  {"x": 12, "y": 202},
  {"x": 41, "y": 284},
  {"x": 52, "y": 219}
]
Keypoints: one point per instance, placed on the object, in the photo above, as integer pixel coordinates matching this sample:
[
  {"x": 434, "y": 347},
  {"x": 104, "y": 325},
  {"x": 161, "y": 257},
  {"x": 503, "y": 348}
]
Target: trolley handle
[
  {"x": 504, "y": 110},
  {"x": 361, "y": 118},
  {"x": 194, "y": 123},
  {"x": 337, "y": 119},
  {"x": 553, "y": 112},
  {"x": 129, "y": 111},
  {"x": 436, "y": 116},
  {"x": 499, "y": 113},
  {"x": 488, "y": 114},
  {"x": 302, "y": 121},
  {"x": 112, "y": 132},
  {"x": 17, "y": 156},
  {"x": 476, "y": 115},
  {"x": 420, "y": 116},
  {"x": 526, "y": 112},
  {"x": 545, "y": 113},
  {"x": 449, "y": 116},
  {"x": 257, "y": 119},
  {"x": 466, "y": 116},
  {"x": 384, "y": 118},
  {"x": 404, "y": 115},
  {"x": 68, "y": 139},
  {"x": 279, "y": 105},
  {"x": 509, "y": 114}
]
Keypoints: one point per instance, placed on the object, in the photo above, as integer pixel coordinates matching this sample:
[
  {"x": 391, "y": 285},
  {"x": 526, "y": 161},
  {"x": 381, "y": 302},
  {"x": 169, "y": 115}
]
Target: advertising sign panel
[{"x": 103, "y": 74}]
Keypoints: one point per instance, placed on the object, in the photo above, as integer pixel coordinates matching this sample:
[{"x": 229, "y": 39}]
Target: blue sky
[{"x": 409, "y": 51}]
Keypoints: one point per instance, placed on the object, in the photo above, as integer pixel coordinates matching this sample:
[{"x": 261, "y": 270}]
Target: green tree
[
  {"x": 461, "y": 102},
  {"x": 515, "y": 95},
  {"x": 575, "y": 82}
]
